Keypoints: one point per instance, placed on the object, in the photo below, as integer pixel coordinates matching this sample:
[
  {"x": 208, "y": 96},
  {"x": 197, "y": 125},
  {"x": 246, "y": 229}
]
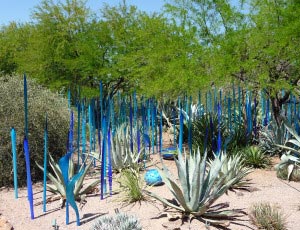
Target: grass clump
[
  {"x": 40, "y": 102},
  {"x": 121, "y": 221},
  {"x": 131, "y": 185},
  {"x": 255, "y": 158},
  {"x": 267, "y": 217}
]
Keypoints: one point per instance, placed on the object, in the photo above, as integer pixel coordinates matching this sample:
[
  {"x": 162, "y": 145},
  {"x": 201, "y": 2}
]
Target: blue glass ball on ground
[{"x": 152, "y": 177}]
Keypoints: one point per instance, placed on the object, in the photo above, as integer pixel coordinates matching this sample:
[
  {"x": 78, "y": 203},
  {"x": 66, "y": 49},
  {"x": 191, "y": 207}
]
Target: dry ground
[{"x": 268, "y": 188}]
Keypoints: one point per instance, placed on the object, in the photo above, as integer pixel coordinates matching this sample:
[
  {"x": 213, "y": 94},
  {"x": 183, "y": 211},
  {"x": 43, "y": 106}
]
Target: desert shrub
[
  {"x": 40, "y": 102},
  {"x": 268, "y": 217},
  {"x": 131, "y": 184},
  {"x": 121, "y": 221},
  {"x": 254, "y": 157}
]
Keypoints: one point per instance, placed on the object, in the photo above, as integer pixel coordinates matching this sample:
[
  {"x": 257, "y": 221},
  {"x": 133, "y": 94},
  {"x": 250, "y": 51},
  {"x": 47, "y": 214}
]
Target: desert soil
[{"x": 266, "y": 187}]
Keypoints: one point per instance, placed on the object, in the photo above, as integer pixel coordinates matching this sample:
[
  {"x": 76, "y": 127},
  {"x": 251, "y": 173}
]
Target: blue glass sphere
[{"x": 152, "y": 177}]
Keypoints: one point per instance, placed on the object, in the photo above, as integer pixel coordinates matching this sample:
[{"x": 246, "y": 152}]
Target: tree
[
  {"x": 53, "y": 52},
  {"x": 13, "y": 41},
  {"x": 256, "y": 45}
]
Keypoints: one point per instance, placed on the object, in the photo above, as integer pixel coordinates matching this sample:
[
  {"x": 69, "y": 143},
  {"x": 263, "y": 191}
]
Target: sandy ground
[{"x": 268, "y": 188}]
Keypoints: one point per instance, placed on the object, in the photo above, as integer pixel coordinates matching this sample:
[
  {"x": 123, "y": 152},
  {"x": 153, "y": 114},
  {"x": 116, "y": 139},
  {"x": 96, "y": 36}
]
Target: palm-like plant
[
  {"x": 200, "y": 187},
  {"x": 58, "y": 186}
]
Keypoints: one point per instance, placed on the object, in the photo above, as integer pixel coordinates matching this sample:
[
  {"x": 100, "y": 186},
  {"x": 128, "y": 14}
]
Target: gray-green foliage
[
  {"x": 291, "y": 159},
  {"x": 234, "y": 168},
  {"x": 120, "y": 221},
  {"x": 267, "y": 217},
  {"x": 58, "y": 186},
  {"x": 199, "y": 186},
  {"x": 40, "y": 102},
  {"x": 122, "y": 156},
  {"x": 271, "y": 136}
]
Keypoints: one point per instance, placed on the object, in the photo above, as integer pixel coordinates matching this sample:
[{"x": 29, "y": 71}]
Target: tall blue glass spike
[
  {"x": 28, "y": 174},
  {"x": 219, "y": 131},
  {"x": 109, "y": 161},
  {"x": 103, "y": 166},
  {"x": 131, "y": 125},
  {"x": 45, "y": 163},
  {"x": 180, "y": 131},
  {"x": 25, "y": 107}
]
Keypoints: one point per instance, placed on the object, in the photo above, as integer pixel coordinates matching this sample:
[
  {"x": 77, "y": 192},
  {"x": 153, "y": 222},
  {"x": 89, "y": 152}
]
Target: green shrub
[
  {"x": 40, "y": 102},
  {"x": 121, "y": 221},
  {"x": 131, "y": 184},
  {"x": 207, "y": 123},
  {"x": 254, "y": 157},
  {"x": 264, "y": 216}
]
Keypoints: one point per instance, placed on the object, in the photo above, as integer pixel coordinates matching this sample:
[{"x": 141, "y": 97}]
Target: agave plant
[
  {"x": 122, "y": 156},
  {"x": 200, "y": 187},
  {"x": 270, "y": 137},
  {"x": 291, "y": 159},
  {"x": 234, "y": 168},
  {"x": 58, "y": 186}
]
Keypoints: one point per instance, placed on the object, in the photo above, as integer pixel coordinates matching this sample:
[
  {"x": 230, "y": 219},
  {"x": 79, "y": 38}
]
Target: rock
[{"x": 4, "y": 224}]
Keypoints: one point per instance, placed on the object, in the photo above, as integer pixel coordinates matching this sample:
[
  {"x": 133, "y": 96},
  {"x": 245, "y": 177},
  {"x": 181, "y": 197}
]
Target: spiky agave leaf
[
  {"x": 58, "y": 185},
  {"x": 199, "y": 189},
  {"x": 233, "y": 167}
]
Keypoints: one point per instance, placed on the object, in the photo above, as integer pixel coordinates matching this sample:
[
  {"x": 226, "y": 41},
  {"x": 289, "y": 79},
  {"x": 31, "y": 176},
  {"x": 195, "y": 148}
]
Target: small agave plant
[
  {"x": 122, "y": 156},
  {"x": 199, "y": 188},
  {"x": 233, "y": 167},
  {"x": 58, "y": 187}
]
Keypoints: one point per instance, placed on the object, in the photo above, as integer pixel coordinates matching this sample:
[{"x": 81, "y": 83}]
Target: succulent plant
[
  {"x": 121, "y": 221},
  {"x": 291, "y": 159},
  {"x": 200, "y": 187},
  {"x": 122, "y": 156},
  {"x": 270, "y": 137},
  {"x": 234, "y": 168},
  {"x": 58, "y": 186}
]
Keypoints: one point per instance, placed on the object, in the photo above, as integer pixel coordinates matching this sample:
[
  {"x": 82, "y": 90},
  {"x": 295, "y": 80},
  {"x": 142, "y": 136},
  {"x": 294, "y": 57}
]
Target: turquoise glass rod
[
  {"x": 14, "y": 152},
  {"x": 25, "y": 107},
  {"x": 45, "y": 164}
]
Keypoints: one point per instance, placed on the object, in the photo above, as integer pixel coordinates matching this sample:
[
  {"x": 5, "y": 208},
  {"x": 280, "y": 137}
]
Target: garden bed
[{"x": 266, "y": 187}]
